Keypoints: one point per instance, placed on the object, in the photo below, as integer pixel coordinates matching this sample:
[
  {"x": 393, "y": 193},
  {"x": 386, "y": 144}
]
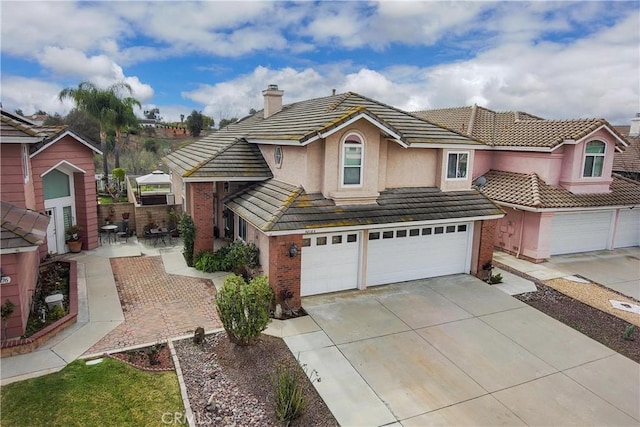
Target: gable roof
[
  {"x": 301, "y": 123},
  {"x": 629, "y": 159},
  {"x": 15, "y": 129},
  {"x": 529, "y": 190},
  {"x": 274, "y": 206},
  {"x": 515, "y": 128},
  {"x": 21, "y": 229}
]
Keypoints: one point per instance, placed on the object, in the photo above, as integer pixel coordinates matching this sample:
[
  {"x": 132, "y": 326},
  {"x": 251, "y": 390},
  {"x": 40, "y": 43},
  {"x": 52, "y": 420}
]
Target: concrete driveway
[
  {"x": 618, "y": 270},
  {"x": 455, "y": 351}
]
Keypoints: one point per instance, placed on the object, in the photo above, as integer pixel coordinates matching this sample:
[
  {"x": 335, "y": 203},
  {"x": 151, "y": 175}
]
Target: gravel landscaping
[
  {"x": 233, "y": 386},
  {"x": 594, "y": 323}
]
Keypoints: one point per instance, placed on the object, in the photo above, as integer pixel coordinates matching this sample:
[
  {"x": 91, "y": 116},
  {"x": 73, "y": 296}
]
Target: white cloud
[{"x": 31, "y": 95}]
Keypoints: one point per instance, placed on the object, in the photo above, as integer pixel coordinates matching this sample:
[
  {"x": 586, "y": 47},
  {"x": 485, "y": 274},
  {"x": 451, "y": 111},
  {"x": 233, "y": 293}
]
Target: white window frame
[
  {"x": 242, "y": 229},
  {"x": 25, "y": 163},
  {"x": 346, "y": 143},
  {"x": 595, "y": 157},
  {"x": 277, "y": 158},
  {"x": 458, "y": 154}
]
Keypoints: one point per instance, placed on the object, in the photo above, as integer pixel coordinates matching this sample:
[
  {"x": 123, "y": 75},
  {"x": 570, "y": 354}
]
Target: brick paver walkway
[{"x": 157, "y": 305}]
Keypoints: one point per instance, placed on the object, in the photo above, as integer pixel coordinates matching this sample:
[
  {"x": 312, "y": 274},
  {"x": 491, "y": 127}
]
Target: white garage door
[
  {"x": 401, "y": 254},
  {"x": 628, "y": 229},
  {"x": 580, "y": 232},
  {"x": 330, "y": 262}
]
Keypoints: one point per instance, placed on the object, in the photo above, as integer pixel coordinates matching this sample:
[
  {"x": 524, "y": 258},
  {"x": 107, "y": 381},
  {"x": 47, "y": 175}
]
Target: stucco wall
[
  {"x": 482, "y": 162},
  {"x": 23, "y": 270},
  {"x": 410, "y": 167},
  {"x": 13, "y": 188},
  {"x": 573, "y": 166},
  {"x": 294, "y": 164},
  {"x": 546, "y": 165},
  {"x": 509, "y": 230},
  {"x": 70, "y": 150}
]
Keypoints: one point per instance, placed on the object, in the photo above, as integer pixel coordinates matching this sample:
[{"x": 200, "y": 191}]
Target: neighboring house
[
  {"x": 341, "y": 192},
  {"x": 553, "y": 178},
  {"x": 50, "y": 170},
  {"x": 22, "y": 233},
  {"x": 627, "y": 163}
]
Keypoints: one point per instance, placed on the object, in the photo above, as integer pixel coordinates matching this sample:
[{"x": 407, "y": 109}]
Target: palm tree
[
  {"x": 102, "y": 104},
  {"x": 124, "y": 119}
]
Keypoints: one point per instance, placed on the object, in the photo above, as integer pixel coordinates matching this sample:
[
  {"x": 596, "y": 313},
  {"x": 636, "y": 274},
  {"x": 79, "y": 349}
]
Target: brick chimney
[
  {"x": 272, "y": 100},
  {"x": 634, "y": 130}
]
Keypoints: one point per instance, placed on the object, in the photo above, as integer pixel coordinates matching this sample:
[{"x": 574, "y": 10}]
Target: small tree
[
  {"x": 244, "y": 307},
  {"x": 187, "y": 230},
  {"x": 195, "y": 121}
]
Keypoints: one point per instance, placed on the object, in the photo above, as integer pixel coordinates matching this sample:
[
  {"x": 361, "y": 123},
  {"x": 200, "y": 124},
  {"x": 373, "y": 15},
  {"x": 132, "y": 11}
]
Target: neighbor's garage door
[
  {"x": 400, "y": 254},
  {"x": 580, "y": 232},
  {"x": 628, "y": 230},
  {"x": 329, "y": 263}
]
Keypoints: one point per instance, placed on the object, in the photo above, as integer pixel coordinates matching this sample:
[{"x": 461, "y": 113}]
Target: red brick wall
[
  {"x": 485, "y": 250},
  {"x": 284, "y": 271},
  {"x": 202, "y": 196}
]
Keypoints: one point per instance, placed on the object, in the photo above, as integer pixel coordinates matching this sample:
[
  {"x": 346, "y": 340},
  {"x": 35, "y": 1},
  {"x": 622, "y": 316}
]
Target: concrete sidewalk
[{"x": 99, "y": 310}]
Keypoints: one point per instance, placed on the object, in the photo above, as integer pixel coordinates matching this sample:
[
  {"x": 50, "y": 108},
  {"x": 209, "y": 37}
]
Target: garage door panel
[
  {"x": 429, "y": 252},
  {"x": 580, "y": 232},
  {"x": 329, "y": 263},
  {"x": 628, "y": 229}
]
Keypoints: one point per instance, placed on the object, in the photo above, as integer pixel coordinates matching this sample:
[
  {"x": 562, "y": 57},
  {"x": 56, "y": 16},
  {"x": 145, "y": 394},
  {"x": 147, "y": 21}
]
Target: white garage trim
[
  {"x": 410, "y": 253},
  {"x": 627, "y": 229},
  {"x": 330, "y": 262},
  {"x": 581, "y": 232}
]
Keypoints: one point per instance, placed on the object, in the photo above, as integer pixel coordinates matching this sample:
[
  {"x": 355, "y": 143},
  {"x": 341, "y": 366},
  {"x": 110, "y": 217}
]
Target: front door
[{"x": 228, "y": 223}]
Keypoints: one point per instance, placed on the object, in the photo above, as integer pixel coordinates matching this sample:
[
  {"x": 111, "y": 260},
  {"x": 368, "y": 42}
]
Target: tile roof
[
  {"x": 277, "y": 206},
  {"x": 21, "y": 228},
  {"x": 301, "y": 122},
  {"x": 513, "y": 128},
  {"x": 629, "y": 159},
  {"x": 531, "y": 191},
  {"x": 18, "y": 129}
]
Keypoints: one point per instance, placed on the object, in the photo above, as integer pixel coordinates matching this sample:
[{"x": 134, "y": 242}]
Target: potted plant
[{"x": 72, "y": 238}]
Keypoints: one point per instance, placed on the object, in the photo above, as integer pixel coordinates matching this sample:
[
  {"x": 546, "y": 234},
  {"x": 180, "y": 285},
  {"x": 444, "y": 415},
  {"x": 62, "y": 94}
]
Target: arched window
[
  {"x": 594, "y": 159},
  {"x": 352, "y": 155}
]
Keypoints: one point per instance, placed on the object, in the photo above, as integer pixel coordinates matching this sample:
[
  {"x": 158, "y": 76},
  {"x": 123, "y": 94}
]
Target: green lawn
[{"x": 110, "y": 393}]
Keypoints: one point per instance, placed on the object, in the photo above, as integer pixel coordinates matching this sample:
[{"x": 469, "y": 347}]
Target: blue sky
[{"x": 553, "y": 59}]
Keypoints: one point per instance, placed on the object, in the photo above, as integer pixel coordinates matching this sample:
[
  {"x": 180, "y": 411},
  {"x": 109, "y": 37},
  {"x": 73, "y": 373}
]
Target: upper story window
[
  {"x": 352, "y": 155},
  {"x": 457, "y": 164},
  {"x": 594, "y": 159},
  {"x": 277, "y": 156},
  {"x": 25, "y": 162}
]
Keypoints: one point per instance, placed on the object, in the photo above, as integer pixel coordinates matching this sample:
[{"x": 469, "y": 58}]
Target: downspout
[{"x": 521, "y": 233}]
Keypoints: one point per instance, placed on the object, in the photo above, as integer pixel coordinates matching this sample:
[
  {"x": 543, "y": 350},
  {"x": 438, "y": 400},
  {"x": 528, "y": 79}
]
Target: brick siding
[
  {"x": 485, "y": 253},
  {"x": 284, "y": 271},
  {"x": 202, "y": 196}
]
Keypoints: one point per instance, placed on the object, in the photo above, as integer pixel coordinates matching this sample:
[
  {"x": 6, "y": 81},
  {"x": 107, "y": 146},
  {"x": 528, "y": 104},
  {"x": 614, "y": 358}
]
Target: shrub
[
  {"x": 187, "y": 230},
  {"x": 244, "y": 307},
  {"x": 289, "y": 391},
  {"x": 495, "y": 279},
  {"x": 234, "y": 257},
  {"x": 289, "y": 384},
  {"x": 627, "y": 334}
]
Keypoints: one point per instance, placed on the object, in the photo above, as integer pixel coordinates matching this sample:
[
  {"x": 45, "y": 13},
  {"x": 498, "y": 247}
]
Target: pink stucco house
[
  {"x": 553, "y": 178},
  {"x": 341, "y": 192},
  {"x": 47, "y": 172}
]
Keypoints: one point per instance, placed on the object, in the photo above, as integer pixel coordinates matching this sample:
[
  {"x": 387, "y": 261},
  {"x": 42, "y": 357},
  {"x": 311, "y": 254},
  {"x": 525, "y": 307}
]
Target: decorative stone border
[{"x": 27, "y": 345}]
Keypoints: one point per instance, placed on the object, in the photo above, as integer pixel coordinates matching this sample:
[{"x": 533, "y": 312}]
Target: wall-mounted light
[{"x": 293, "y": 250}]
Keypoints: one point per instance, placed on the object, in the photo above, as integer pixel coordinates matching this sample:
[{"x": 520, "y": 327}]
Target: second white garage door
[
  {"x": 330, "y": 263},
  {"x": 401, "y": 254},
  {"x": 580, "y": 232},
  {"x": 628, "y": 229}
]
